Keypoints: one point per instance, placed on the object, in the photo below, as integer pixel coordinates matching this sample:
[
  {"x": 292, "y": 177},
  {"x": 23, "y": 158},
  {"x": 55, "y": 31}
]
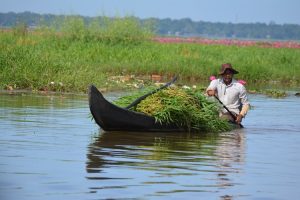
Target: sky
[{"x": 234, "y": 11}]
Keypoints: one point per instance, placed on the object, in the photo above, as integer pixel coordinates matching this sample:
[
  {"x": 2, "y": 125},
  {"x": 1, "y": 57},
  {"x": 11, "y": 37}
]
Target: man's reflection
[{"x": 195, "y": 151}]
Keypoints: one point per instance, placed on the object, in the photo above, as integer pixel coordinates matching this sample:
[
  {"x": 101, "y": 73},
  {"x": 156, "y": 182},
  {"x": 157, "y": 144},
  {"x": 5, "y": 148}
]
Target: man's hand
[
  {"x": 211, "y": 92},
  {"x": 239, "y": 119}
]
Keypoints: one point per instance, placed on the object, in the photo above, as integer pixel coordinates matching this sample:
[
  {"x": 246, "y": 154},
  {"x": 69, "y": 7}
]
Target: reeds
[{"x": 73, "y": 54}]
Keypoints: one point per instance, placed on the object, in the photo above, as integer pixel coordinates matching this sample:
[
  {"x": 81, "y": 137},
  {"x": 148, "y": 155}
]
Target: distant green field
[{"x": 76, "y": 56}]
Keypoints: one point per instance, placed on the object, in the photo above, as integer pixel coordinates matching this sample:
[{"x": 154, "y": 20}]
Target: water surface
[{"x": 50, "y": 149}]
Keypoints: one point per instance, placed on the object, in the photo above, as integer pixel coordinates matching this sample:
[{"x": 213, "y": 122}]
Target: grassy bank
[{"x": 77, "y": 55}]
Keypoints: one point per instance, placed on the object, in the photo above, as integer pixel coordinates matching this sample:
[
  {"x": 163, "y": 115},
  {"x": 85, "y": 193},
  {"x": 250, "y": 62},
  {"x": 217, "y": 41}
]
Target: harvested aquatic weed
[
  {"x": 128, "y": 99},
  {"x": 184, "y": 107}
]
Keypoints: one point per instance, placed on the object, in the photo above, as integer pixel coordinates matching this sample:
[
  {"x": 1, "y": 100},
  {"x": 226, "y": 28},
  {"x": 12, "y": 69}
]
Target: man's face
[{"x": 227, "y": 76}]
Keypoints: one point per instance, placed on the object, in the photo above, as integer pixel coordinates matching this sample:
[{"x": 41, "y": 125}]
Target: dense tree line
[{"x": 181, "y": 27}]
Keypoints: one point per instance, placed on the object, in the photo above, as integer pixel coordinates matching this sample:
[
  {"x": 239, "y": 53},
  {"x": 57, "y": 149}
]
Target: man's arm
[
  {"x": 211, "y": 89},
  {"x": 242, "y": 113},
  {"x": 245, "y": 109},
  {"x": 245, "y": 105}
]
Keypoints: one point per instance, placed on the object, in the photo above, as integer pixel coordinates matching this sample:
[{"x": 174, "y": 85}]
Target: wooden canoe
[{"x": 111, "y": 117}]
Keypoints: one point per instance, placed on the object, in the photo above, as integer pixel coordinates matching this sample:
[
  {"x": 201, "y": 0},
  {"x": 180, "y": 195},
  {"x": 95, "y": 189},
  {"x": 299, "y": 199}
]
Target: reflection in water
[
  {"x": 165, "y": 163},
  {"x": 42, "y": 101},
  {"x": 42, "y": 146},
  {"x": 230, "y": 150},
  {"x": 43, "y": 155}
]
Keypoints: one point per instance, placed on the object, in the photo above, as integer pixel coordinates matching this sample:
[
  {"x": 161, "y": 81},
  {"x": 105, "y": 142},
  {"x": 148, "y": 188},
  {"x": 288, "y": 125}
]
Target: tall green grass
[{"x": 70, "y": 54}]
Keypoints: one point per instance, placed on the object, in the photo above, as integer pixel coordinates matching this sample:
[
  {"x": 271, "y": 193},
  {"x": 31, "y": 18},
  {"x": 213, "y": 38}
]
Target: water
[{"x": 50, "y": 149}]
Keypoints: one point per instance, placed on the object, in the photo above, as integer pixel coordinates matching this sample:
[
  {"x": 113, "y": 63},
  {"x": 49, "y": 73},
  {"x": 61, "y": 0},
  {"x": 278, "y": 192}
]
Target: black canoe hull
[{"x": 113, "y": 118}]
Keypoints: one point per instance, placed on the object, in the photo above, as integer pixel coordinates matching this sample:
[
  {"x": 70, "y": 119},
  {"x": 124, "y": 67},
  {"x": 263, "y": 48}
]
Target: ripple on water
[{"x": 50, "y": 149}]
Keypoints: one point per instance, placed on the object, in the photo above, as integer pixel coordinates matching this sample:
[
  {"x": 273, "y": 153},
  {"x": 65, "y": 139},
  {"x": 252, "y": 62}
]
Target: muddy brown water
[{"x": 50, "y": 149}]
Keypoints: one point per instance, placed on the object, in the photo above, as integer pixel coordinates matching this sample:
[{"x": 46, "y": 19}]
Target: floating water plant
[
  {"x": 185, "y": 107},
  {"x": 276, "y": 93}
]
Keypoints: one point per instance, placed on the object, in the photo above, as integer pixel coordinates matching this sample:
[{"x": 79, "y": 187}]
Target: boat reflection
[{"x": 210, "y": 157}]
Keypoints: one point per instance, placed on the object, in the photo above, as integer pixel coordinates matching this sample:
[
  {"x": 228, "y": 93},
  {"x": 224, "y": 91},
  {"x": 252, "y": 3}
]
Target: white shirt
[{"x": 233, "y": 96}]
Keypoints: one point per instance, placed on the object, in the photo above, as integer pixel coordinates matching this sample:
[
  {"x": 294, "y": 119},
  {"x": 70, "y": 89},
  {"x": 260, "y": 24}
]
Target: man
[{"x": 231, "y": 93}]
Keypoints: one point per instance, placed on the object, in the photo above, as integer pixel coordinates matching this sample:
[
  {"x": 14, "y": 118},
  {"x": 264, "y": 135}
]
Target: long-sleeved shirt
[{"x": 233, "y": 96}]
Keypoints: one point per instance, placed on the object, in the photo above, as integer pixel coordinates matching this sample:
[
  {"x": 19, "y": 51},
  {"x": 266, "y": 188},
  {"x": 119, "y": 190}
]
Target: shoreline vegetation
[{"x": 121, "y": 53}]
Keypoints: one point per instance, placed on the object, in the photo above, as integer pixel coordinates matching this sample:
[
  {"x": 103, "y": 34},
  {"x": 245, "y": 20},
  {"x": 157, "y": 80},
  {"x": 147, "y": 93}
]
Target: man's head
[
  {"x": 227, "y": 72},
  {"x": 227, "y": 67}
]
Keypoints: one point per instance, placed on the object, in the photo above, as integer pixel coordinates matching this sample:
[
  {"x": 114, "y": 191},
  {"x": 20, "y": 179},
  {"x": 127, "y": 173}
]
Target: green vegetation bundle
[{"x": 184, "y": 107}]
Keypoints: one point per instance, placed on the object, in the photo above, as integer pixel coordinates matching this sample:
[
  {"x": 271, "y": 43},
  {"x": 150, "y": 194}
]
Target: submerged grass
[
  {"x": 184, "y": 107},
  {"x": 70, "y": 54}
]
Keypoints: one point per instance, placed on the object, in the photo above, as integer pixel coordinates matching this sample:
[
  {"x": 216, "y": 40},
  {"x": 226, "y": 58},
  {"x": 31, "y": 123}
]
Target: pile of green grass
[{"x": 184, "y": 107}]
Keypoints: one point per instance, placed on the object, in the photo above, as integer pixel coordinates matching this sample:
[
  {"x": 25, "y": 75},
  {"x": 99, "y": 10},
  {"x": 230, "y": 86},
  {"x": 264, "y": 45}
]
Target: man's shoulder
[
  {"x": 239, "y": 85},
  {"x": 217, "y": 81}
]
